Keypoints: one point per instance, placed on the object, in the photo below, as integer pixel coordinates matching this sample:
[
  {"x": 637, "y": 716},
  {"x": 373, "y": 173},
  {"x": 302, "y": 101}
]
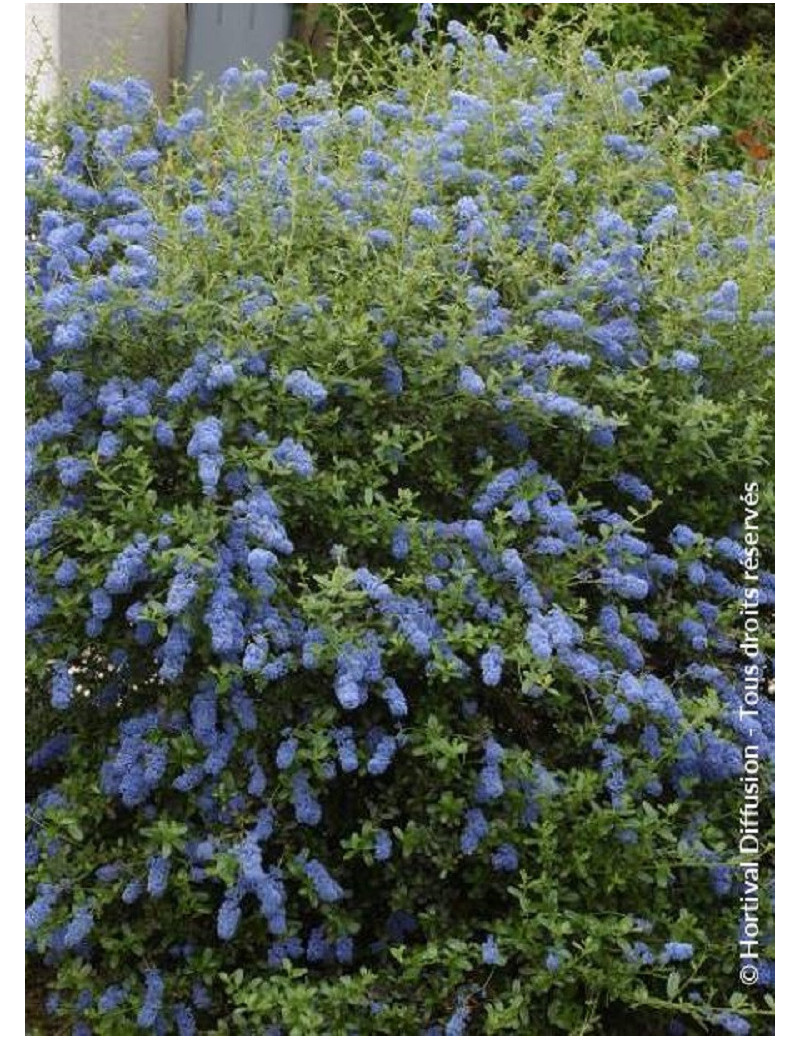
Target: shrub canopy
[
  {"x": 384, "y": 553},
  {"x": 727, "y": 51}
]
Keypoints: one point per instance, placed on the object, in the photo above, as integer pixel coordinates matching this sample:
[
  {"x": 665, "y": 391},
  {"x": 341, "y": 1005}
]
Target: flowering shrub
[{"x": 384, "y": 576}]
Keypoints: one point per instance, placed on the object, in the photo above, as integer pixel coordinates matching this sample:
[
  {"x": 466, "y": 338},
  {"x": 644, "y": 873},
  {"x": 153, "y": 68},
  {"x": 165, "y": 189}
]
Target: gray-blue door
[{"x": 222, "y": 35}]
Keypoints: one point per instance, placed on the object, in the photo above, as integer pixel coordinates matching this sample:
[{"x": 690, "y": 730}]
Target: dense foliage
[{"x": 384, "y": 554}]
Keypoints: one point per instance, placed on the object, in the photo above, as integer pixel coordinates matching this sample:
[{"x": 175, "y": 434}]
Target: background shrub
[{"x": 385, "y": 460}]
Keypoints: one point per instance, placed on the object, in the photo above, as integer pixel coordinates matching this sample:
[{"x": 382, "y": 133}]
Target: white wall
[
  {"x": 42, "y": 36},
  {"x": 146, "y": 40}
]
